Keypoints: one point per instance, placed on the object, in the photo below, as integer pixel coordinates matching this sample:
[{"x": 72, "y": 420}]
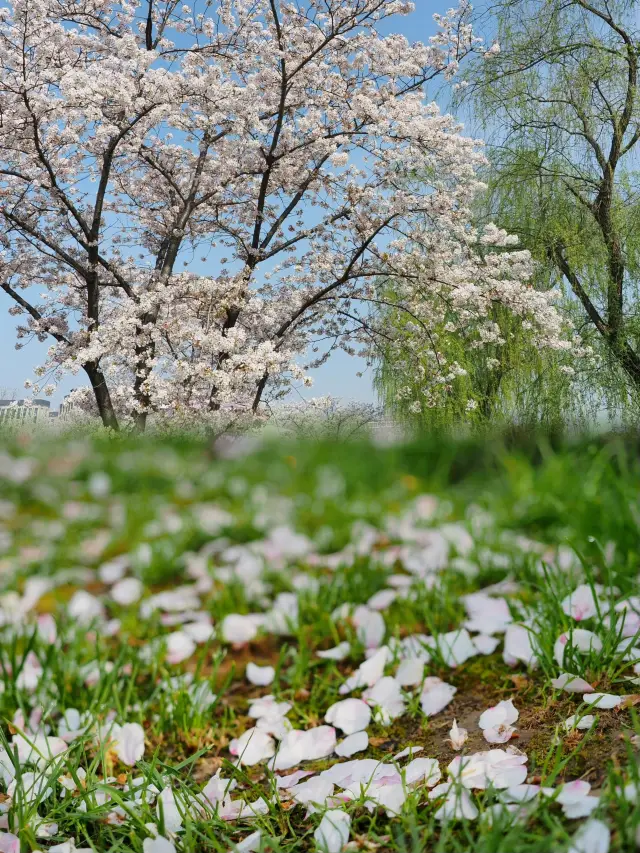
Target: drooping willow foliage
[{"x": 559, "y": 107}]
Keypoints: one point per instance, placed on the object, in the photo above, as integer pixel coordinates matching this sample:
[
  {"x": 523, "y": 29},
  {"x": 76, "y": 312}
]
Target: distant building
[
  {"x": 67, "y": 408},
  {"x": 18, "y": 412}
]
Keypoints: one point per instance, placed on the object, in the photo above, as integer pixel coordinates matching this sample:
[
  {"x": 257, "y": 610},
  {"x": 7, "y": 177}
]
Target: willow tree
[{"x": 558, "y": 101}]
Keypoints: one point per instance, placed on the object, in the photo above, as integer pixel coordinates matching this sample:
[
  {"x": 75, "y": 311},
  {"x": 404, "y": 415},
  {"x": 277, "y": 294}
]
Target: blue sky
[{"x": 337, "y": 377}]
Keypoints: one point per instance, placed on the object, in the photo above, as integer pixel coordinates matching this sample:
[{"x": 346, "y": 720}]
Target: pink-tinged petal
[
  {"x": 580, "y": 604},
  {"x": 571, "y": 683},
  {"x": 9, "y": 843},
  {"x": 573, "y": 792},
  {"x": 501, "y": 734},
  {"x": 504, "y": 713}
]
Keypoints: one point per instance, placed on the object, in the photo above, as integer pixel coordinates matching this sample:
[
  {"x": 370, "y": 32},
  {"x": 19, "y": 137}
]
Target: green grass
[{"x": 62, "y": 520}]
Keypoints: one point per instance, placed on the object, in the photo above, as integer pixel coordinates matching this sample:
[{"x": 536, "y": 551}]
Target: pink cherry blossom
[{"x": 269, "y": 175}]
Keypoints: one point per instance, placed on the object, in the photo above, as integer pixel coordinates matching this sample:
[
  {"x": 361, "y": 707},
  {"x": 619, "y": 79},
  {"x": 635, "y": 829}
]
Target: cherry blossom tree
[{"x": 194, "y": 200}]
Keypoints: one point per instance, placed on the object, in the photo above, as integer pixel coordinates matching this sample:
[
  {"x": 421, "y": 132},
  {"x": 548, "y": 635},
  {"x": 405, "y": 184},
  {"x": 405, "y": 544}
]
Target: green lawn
[{"x": 151, "y": 592}]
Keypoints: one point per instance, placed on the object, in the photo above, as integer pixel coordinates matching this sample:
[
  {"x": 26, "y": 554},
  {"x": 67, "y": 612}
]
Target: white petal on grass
[
  {"x": 386, "y": 698},
  {"x": 579, "y": 722},
  {"x": 604, "y": 701},
  {"x": 575, "y": 799},
  {"x": 436, "y": 695},
  {"x": 159, "y": 844},
  {"x": 252, "y": 747},
  {"x": 382, "y": 599},
  {"x": 250, "y": 844},
  {"x": 180, "y": 646},
  {"x": 408, "y": 750},
  {"x": 410, "y": 672},
  {"x": 518, "y": 646},
  {"x": 338, "y": 652},
  {"x": 349, "y": 715},
  {"x": 127, "y": 591},
  {"x": 502, "y": 713},
  {"x": 356, "y": 742},
  {"x": 298, "y": 745},
  {"x": 485, "y": 643},
  {"x": 333, "y": 832},
  {"x": 238, "y": 628},
  {"x": 9, "y": 843},
  {"x": 368, "y": 673},
  {"x": 455, "y": 647},
  {"x": 425, "y": 770},
  {"x": 457, "y": 806},
  {"x": 259, "y": 675},
  {"x": 369, "y": 626},
  {"x": 83, "y": 607},
  {"x": 129, "y": 743},
  {"x": 593, "y": 836}
]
